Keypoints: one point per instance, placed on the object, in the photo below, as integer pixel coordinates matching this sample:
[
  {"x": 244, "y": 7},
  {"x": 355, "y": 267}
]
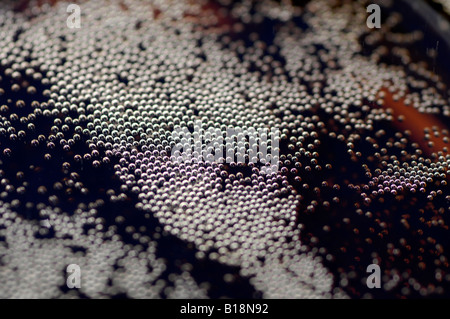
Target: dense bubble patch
[{"x": 88, "y": 178}]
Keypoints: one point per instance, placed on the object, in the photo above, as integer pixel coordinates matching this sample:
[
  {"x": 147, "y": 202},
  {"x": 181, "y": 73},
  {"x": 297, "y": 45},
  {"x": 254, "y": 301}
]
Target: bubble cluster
[{"x": 87, "y": 178}]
